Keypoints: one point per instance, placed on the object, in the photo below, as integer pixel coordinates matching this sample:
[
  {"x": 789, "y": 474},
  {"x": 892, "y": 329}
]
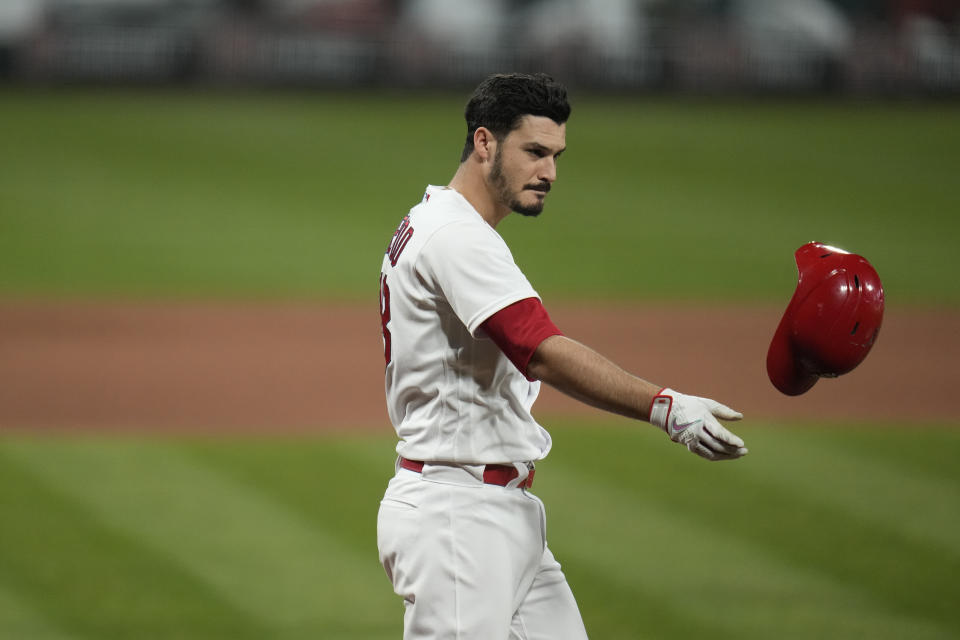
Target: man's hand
[{"x": 692, "y": 421}]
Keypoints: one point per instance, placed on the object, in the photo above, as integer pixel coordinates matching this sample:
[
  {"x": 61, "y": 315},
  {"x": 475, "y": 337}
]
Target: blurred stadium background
[
  {"x": 874, "y": 47},
  {"x": 182, "y": 180}
]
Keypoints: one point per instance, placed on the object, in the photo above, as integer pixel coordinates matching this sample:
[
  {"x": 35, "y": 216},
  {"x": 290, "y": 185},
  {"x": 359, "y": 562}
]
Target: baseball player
[{"x": 467, "y": 343}]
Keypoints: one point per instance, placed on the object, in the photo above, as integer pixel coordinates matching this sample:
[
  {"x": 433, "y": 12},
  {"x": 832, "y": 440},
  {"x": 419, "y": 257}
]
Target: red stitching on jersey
[{"x": 401, "y": 238}]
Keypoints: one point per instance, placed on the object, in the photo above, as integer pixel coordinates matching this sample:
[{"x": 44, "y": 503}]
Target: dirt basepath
[{"x": 297, "y": 367}]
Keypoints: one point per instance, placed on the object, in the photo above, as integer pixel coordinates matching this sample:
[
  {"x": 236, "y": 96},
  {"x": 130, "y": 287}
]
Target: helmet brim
[{"x": 784, "y": 368}]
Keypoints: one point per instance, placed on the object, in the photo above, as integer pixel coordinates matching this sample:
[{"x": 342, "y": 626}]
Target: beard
[{"x": 512, "y": 198}]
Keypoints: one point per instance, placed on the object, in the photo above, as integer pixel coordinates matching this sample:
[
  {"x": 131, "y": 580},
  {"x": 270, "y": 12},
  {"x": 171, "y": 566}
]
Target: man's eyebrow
[{"x": 536, "y": 146}]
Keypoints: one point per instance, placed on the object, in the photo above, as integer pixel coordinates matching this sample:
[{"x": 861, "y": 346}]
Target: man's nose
[{"x": 548, "y": 170}]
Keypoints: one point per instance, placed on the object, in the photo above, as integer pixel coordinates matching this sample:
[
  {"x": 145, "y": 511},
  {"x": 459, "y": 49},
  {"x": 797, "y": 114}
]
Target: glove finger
[
  {"x": 702, "y": 451},
  {"x": 722, "y": 435},
  {"x": 730, "y": 456},
  {"x": 716, "y": 451},
  {"x": 734, "y": 454},
  {"x": 731, "y": 453},
  {"x": 705, "y": 452},
  {"x": 722, "y": 451},
  {"x": 721, "y": 411}
]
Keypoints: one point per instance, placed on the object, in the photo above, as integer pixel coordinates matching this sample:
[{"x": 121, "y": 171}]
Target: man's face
[{"x": 525, "y": 164}]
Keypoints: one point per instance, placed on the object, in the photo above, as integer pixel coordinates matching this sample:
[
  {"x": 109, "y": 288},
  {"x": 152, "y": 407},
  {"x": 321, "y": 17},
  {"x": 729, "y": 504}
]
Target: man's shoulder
[
  {"x": 445, "y": 199},
  {"x": 442, "y": 207}
]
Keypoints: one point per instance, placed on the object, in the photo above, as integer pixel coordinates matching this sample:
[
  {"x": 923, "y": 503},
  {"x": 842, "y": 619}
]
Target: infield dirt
[{"x": 232, "y": 367}]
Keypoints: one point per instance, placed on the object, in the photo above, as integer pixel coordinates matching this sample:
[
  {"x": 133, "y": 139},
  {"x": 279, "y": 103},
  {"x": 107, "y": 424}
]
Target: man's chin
[
  {"x": 530, "y": 213},
  {"x": 532, "y": 210}
]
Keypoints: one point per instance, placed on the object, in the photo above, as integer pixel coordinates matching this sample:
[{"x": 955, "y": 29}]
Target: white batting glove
[{"x": 692, "y": 421}]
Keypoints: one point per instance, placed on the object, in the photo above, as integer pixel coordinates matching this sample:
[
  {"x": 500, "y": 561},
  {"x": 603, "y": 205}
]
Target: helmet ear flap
[{"x": 832, "y": 320}]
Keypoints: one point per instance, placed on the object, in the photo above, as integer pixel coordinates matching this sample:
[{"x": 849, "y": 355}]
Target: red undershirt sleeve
[{"x": 518, "y": 329}]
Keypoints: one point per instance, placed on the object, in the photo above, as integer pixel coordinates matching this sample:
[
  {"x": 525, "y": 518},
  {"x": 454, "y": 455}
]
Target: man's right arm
[{"x": 584, "y": 374}]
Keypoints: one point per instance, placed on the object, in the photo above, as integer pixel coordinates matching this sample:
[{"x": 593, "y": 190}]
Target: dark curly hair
[{"x": 501, "y": 100}]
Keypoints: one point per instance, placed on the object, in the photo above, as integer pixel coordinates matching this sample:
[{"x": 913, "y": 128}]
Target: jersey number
[{"x": 385, "y": 317}]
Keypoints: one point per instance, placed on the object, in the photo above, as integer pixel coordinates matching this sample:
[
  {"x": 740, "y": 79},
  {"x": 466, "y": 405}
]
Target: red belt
[{"x": 499, "y": 474}]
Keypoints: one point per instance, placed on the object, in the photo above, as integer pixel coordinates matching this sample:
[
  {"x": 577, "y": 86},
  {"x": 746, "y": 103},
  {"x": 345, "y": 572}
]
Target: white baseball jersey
[{"x": 452, "y": 395}]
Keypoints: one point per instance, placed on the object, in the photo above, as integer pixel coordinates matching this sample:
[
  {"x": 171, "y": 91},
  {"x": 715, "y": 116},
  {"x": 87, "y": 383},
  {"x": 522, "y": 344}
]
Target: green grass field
[
  {"x": 295, "y": 195},
  {"x": 823, "y": 531}
]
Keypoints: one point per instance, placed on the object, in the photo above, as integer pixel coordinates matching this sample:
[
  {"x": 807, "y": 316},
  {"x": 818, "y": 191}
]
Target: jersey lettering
[
  {"x": 385, "y": 318},
  {"x": 399, "y": 242}
]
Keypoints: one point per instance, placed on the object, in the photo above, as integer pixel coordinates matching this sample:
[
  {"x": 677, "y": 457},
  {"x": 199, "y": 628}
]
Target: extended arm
[
  {"x": 524, "y": 332},
  {"x": 584, "y": 374}
]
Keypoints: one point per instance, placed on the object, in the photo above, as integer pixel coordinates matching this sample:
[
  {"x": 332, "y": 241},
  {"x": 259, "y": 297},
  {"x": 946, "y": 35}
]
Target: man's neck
[{"x": 469, "y": 183}]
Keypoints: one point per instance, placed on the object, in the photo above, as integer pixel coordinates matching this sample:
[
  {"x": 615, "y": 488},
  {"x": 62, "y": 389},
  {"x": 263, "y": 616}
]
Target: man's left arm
[{"x": 541, "y": 352}]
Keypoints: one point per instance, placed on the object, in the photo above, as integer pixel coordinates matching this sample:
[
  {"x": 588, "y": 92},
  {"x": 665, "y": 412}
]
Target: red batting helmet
[{"x": 831, "y": 322}]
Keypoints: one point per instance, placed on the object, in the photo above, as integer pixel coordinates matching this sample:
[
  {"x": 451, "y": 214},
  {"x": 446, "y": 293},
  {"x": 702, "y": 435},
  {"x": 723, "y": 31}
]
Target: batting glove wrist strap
[
  {"x": 692, "y": 422},
  {"x": 660, "y": 408}
]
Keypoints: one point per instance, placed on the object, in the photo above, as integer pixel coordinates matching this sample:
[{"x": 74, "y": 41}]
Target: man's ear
[{"x": 484, "y": 143}]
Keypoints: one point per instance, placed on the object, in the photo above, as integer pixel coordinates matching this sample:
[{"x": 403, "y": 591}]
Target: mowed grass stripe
[
  {"x": 20, "y": 619},
  {"x": 922, "y": 505},
  {"x": 641, "y": 526},
  {"x": 909, "y": 578},
  {"x": 260, "y": 556},
  {"x": 64, "y": 570},
  {"x": 335, "y": 484},
  {"x": 687, "y": 568}
]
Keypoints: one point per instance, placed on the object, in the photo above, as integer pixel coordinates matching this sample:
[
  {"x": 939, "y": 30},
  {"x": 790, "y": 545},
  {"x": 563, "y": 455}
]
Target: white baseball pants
[{"x": 470, "y": 560}]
